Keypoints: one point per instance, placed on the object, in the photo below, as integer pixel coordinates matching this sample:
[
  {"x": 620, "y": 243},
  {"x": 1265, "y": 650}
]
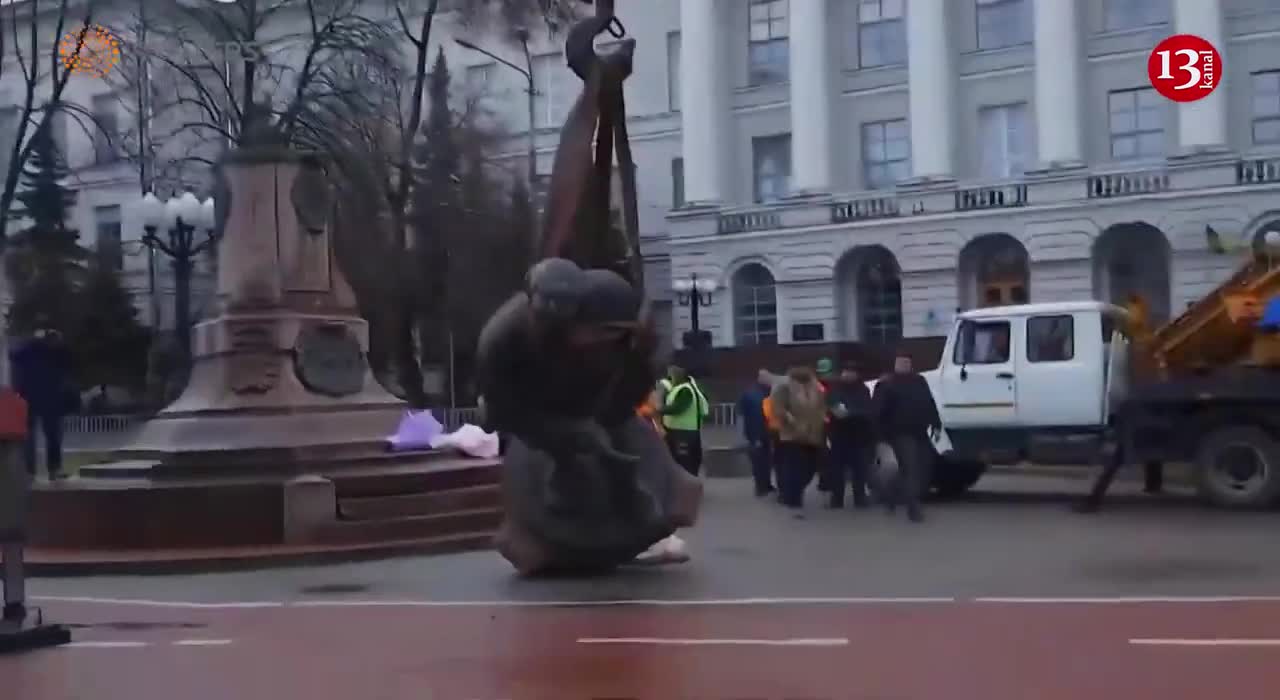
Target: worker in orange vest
[{"x": 648, "y": 410}]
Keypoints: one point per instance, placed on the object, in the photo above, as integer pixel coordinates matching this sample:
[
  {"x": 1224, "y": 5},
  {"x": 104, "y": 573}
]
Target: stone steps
[
  {"x": 257, "y": 462},
  {"x": 410, "y": 504},
  {"x": 479, "y": 520},
  {"x": 401, "y": 504},
  {"x": 367, "y": 483}
]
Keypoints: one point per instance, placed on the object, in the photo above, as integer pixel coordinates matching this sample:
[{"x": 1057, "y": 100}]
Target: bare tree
[
  {"x": 200, "y": 70},
  {"x": 477, "y": 14},
  {"x": 43, "y": 41}
]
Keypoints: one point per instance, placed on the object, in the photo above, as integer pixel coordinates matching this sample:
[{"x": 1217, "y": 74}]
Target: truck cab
[{"x": 1032, "y": 381}]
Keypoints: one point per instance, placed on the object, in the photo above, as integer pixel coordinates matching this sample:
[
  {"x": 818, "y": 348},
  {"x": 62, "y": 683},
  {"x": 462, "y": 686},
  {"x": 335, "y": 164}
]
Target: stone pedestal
[{"x": 283, "y": 365}]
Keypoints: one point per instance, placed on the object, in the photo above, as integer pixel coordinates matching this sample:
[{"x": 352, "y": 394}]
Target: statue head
[{"x": 555, "y": 287}]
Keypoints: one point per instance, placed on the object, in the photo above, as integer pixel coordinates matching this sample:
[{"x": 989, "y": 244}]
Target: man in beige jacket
[{"x": 800, "y": 408}]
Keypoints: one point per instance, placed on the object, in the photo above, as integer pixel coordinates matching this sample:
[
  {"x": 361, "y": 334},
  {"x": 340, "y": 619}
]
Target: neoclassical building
[{"x": 861, "y": 170}]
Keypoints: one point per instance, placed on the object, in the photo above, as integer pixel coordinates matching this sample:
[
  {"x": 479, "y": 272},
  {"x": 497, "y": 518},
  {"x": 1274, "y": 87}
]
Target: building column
[
  {"x": 930, "y": 84},
  {"x": 1058, "y": 95},
  {"x": 701, "y": 117},
  {"x": 811, "y": 71},
  {"x": 1202, "y": 125}
]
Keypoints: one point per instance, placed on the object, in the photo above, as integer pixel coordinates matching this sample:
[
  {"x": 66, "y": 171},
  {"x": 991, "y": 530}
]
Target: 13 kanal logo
[{"x": 1184, "y": 68}]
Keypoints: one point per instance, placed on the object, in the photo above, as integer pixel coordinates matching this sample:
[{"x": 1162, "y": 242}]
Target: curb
[{"x": 40, "y": 564}]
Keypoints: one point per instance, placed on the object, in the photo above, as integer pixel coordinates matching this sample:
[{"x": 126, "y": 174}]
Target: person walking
[
  {"x": 851, "y": 434},
  {"x": 41, "y": 374},
  {"x": 771, "y": 427},
  {"x": 824, "y": 369},
  {"x": 907, "y": 417},
  {"x": 801, "y": 411},
  {"x": 685, "y": 411},
  {"x": 756, "y": 431}
]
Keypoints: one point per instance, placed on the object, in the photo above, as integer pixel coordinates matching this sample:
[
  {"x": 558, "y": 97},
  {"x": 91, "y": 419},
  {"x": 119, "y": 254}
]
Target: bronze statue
[{"x": 587, "y": 484}]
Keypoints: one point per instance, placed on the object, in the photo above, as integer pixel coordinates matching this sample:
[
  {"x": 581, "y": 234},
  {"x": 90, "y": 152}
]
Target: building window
[
  {"x": 58, "y": 131},
  {"x": 1132, "y": 14},
  {"x": 1005, "y": 139},
  {"x": 982, "y": 343},
  {"x": 886, "y": 153},
  {"x": 673, "y": 71},
  {"x": 677, "y": 183},
  {"x": 1050, "y": 339},
  {"x": 772, "y": 166},
  {"x": 755, "y": 306},
  {"x": 879, "y": 287},
  {"x": 106, "y": 129},
  {"x": 1137, "y": 123},
  {"x": 477, "y": 79},
  {"x": 8, "y": 132},
  {"x": 1266, "y": 108},
  {"x": 1003, "y": 23},
  {"x": 767, "y": 43},
  {"x": 548, "y": 102},
  {"x": 882, "y": 33},
  {"x": 107, "y": 242},
  {"x": 808, "y": 333}
]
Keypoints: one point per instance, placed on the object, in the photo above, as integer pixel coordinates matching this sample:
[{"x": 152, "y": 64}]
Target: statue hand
[{"x": 594, "y": 439}]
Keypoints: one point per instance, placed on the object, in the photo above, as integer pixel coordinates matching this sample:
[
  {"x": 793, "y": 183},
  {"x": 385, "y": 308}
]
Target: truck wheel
[
  {"x": 953, "y": 477},
  {"x": 1239, "y": 467}
]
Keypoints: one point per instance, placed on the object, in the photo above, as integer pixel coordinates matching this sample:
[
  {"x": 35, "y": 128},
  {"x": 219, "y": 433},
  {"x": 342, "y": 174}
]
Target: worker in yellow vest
[{"x": 684, "y": 411}]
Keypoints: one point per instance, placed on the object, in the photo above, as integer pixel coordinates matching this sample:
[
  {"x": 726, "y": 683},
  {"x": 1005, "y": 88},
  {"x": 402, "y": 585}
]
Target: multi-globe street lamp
[
  {"x": 695, "y": 293},
  {"x": 188, "y": 227}
]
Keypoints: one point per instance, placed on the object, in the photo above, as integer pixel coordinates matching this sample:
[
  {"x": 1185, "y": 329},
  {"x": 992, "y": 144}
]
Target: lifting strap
[{"x": 580, "y": 223}]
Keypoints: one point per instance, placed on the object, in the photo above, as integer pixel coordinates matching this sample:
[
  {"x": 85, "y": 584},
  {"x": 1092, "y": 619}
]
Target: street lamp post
[
  {"x": 531, "y": 91},
  {"x": 180, "y": 218},
  {"x": 695, "y": 293}
]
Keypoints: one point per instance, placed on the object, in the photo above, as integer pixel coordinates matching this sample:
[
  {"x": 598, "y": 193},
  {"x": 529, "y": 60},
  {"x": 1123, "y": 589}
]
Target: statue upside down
[{"x": 587, "y": 483}]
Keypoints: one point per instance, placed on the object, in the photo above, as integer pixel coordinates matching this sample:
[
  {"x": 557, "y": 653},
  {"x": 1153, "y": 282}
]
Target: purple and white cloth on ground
[{"x": 419, "y": 430}]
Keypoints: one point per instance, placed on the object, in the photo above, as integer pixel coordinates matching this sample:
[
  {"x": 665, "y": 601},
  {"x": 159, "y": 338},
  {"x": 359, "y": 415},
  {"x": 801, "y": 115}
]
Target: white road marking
[
  {"x": 652, "y": 602},
  {"x": 1206, "y": 642},
  {"x": 130, "y": 644},
  {"x": 155, "y": 603},
  {"x": 662, "y": 641},
  {"x": 202, "y": 642},
  {"x": 1130, "y": 600},
  {"x": 340, "y": 603},
  {"x": 657, "y": 602},
  {"x": 105, "y": 645}
]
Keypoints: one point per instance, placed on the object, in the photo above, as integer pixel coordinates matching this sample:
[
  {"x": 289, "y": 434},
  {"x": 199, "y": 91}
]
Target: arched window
[
  {"x": 1132, "y": 260},
  {"x": 994, "y": 271},
  {"x": 879, "y": 288},
  {"x": 755, "y": 306}
]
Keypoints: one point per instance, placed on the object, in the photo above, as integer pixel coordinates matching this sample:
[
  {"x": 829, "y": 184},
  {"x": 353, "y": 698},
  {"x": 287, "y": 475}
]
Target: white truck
[{"x": 1051, "y": 383}]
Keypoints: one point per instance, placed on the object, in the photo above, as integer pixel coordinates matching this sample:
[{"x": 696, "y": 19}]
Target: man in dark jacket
[
  {"x": 907, "y": 416},
  {"x": 756, "y": 433},
  {"x": 41, "y": 368},
  {"x": 852, "y": 436}
]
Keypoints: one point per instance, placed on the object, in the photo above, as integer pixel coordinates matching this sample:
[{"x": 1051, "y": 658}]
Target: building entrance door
[{"x": 1003, "y": 292}]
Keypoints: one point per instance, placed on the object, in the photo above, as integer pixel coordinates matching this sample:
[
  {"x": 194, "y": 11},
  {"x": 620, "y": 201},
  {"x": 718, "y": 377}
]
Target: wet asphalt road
[
  {"x": 1005, "y": 596},
  {"x": 1015, "y": 537}
]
